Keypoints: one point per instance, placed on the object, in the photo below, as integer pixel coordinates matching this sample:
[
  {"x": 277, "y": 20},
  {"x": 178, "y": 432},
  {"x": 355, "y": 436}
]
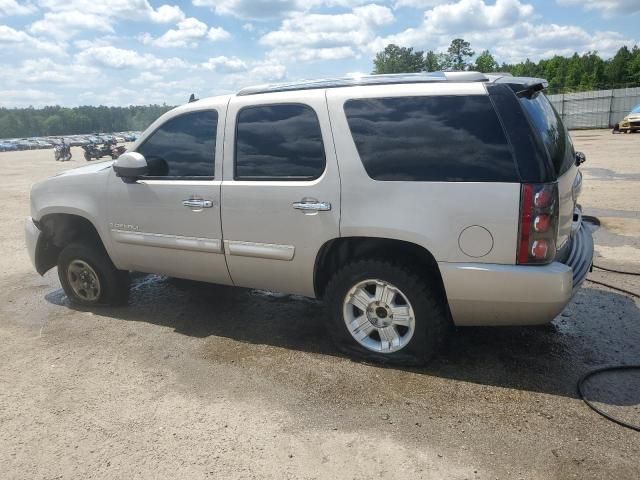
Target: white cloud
[
  {"x": 12, "y": 7},
  {"x": 270, "y": 9},
  {"x": 188, "y": 33},
  {"x": 475, "y": 14},
  {"x": 27, "y": 96},
  {"x": 500, "y": 27},
  {"x": 137, "y": 10},
  {"x": 253, "y": 9},
  {"x": 418, "y": 3},
  {"x": 217, "y": 33},
  {"x": 104, "y": 41},
  {"x": 248, "y": 27},
  {"x": 50, "y": 73},
  {"x": 145, "y": 78},
  {"x": 66, "y": 18},
  {"x": 308, "y": 37},
  {"x": 608, "y": 7},
  {"x": 17, "y": 39},
  {"x": 166, "y": 14},
  {"x": 225, "y": 64},
  {"x": 118, "y": 58},
  {"x": 66, "y": 24},
  {"x": 267, "y": 71}
]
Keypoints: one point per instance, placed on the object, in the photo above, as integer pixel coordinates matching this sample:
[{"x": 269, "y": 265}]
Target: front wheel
[
  {"x": 89, "y": 278},
  {"x": 386, "y": 312}
]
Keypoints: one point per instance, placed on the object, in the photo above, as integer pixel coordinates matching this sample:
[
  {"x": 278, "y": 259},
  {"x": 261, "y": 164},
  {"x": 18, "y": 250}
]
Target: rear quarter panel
[
  {"x": 429, "y": 214},
  {"x": 566, "y": 205}
]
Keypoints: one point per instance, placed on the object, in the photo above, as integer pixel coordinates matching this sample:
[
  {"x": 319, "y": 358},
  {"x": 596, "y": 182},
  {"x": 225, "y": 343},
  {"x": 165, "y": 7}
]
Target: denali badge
[{"x": 124, "y": 226}]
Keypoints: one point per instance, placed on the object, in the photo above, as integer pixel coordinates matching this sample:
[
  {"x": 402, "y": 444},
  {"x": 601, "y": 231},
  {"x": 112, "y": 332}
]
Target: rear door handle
[
  {"x": 312, "y": 206},
  {"x": 197, "y": 203}
]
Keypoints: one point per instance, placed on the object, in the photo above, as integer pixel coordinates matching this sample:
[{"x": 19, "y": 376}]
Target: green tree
[
  {"x": 617, "y": 69},
  {"x": 55, "y": 120},
  {"x": 633, "y": 66},
  {"x": 395, "y": 59},
  {"x": 432, "y": 61},
  {"x": 459, "y": 53},
  {"x": 486, "y": 63}
]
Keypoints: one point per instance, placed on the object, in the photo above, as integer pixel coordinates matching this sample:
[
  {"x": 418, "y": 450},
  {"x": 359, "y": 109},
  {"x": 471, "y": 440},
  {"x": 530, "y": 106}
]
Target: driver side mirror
[
  {"x": 130, "y": 166},
  {"x": 580, "y": 158}
]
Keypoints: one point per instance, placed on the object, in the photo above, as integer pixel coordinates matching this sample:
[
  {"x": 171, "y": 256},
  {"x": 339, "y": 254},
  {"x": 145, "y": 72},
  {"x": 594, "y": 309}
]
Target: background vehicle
[
  {"x": 7, "y": 146},
  {"x": 409, "y": 203},
  {"x": 94, "y": 151},
  {"x": 62, "y": 152},
  {"x": 630, "y": 123}
]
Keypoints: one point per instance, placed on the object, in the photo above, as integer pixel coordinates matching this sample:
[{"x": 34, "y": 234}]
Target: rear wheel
[
  {"x": 87, "y": 157},
  {"x": 89, "y": 278},
  {"x": 386, "y": 312}
]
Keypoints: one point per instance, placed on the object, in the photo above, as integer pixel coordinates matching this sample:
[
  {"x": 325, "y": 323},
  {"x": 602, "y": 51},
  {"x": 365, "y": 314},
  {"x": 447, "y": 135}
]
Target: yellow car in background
[{"x": 630, "y": 123}]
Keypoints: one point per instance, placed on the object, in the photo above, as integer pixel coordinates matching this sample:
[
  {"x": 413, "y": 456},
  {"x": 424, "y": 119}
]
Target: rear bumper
[{"x": 489, "y": 294}]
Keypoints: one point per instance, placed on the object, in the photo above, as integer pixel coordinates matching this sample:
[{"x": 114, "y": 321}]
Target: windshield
[
  {"x": 547, "y": 123},
  {"x": 636, "y": 109}
]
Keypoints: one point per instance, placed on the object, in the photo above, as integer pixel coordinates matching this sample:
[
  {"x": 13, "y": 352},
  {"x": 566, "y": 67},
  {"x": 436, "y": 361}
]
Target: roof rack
[{"x": 359, "y": 80}]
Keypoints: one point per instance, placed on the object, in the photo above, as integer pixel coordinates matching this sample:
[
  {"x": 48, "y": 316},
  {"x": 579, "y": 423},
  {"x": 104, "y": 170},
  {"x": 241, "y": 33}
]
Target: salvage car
[
  {"x": 408, "y": 203},
  {"x": 630, "y": 123}
]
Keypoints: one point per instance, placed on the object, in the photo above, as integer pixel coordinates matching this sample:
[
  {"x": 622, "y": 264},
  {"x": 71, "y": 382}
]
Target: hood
[
  {"x": 633, "y": 117},
  {"x": 92, "y": 168}
]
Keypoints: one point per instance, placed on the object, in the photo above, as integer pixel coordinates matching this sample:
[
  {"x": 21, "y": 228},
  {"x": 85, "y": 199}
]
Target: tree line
[
  {"x": 575, "y": 73},
  {"x": 36, "y": 122}
]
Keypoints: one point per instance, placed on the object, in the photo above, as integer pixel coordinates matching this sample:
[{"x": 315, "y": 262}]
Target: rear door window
[
  {"x": 550, "y": 129},
  {"x": 437, "y": 138},
  {"x": 278, "y": 142}
]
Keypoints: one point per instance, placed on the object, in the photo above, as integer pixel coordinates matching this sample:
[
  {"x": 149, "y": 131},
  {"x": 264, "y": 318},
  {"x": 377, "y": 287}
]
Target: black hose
[
  {"x": 588, "y": 375},
  {"x": 594, "y": 407},
  {"x": 628, "y": 292},
  {"x": 637, "y": 274}
]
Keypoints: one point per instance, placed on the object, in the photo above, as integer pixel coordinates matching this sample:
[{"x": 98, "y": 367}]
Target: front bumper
[
  {"x": 481, "y": 294},
  {"x": 32, "y": 235}
]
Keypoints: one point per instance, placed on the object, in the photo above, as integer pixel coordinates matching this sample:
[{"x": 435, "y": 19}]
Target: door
[
  {"x": 281, "y": 189},
  {"x": 169, "y": 221}
]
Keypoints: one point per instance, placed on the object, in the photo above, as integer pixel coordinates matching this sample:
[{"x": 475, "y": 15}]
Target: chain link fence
[{"x": 595, "y": 109}]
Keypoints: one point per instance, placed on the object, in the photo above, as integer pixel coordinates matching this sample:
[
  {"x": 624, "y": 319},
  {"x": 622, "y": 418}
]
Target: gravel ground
[{"x": 202, "y": 381}]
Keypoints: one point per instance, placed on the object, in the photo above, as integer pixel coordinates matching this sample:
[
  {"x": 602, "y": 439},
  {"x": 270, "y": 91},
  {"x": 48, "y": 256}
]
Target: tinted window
[
  {"x": 184, "y": 146},
  {"x": 439, "y": 138},
  {"x": 550, "y": 129},
  {"x": 278, "y": 141}
]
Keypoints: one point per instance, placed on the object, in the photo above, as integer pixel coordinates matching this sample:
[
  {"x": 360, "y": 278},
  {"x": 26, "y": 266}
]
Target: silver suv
[{"x": 409, "y": 203}]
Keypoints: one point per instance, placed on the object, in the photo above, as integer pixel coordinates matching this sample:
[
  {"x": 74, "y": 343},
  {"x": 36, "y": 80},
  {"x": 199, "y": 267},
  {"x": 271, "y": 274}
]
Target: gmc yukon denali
[{"x": 408, "y": 203}]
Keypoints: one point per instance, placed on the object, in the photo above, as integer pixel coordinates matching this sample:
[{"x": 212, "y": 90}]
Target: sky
[{"x": 123, "y": 52}]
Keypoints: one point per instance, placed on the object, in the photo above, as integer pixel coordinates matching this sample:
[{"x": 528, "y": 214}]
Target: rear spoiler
[{"x": 530, "y": 90}]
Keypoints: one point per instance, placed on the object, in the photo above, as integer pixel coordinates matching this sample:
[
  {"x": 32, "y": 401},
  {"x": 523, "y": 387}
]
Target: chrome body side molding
[
  {"x": 259, "y": 250},
  {"x": 176, "y": 242}
]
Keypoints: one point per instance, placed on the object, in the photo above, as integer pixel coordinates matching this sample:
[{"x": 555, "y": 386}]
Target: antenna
[{"x": 193, "y": 98}]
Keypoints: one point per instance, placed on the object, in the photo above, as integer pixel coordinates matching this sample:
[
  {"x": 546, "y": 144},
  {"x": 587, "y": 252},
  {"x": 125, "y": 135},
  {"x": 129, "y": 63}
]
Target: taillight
[{"x": 538, "y": 223}]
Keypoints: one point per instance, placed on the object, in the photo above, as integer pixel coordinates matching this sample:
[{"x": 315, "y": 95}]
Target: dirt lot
[{"x": 201, "y": 381}]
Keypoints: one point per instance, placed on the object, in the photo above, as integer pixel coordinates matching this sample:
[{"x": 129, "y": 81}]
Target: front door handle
[
  {"x": 313, "y": 205},
  {"x": 197, "y": 203}
]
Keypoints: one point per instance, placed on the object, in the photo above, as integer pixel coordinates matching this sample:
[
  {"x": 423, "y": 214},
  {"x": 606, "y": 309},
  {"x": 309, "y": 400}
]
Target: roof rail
[{"x": 360, "y": 80}]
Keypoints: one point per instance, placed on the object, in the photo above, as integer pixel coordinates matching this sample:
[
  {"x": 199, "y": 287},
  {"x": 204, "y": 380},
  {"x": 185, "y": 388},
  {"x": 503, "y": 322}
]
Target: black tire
[
  {"x": 114, "y": 283},
  {"x": 432, "y": 323},
  {"x": 87, "y": 157}
]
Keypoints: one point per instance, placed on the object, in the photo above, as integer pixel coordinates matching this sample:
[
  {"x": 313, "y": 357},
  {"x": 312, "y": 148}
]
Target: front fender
[{"x": 80, "y": 195}]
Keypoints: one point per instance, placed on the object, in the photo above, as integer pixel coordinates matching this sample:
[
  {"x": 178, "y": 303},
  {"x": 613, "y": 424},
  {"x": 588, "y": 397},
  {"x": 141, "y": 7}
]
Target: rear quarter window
[
  {"x": 551, "y": 131},
  {"x": 437, "y": 138}
]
